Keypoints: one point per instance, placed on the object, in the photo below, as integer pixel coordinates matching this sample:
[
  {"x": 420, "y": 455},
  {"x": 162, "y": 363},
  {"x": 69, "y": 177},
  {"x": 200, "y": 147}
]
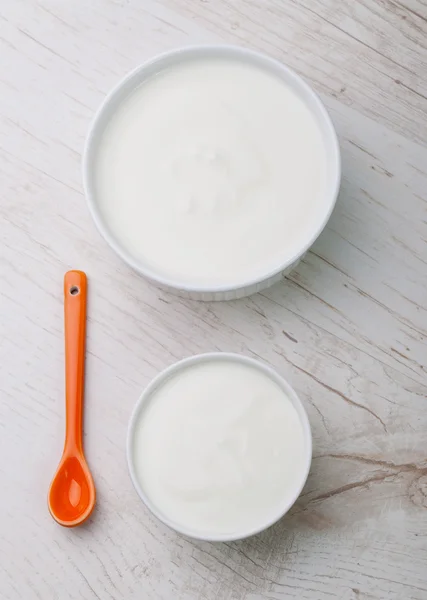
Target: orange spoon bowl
[
  {"x": 72, "y": 492},
  {"x": 72, "y": 496}
]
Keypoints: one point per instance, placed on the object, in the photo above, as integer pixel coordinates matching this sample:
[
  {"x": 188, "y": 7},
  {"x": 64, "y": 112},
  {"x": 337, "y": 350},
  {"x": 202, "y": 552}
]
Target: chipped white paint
[{"x": 348, "y": 329}]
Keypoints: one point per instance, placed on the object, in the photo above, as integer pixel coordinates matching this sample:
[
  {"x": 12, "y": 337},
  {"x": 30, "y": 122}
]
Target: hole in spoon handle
[{"x": 75, "y": 296}]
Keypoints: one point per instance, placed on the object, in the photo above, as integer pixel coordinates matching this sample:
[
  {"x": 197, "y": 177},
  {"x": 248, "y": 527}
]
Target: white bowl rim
[
  {"x": 159, "y": 379},
  {"x": 90, "y": 149}
]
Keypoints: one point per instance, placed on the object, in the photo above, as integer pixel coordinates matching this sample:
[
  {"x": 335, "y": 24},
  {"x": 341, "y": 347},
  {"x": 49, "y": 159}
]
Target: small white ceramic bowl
[
  {"x": 183, "y": 364},
  {"x": 125, "y": 87}
]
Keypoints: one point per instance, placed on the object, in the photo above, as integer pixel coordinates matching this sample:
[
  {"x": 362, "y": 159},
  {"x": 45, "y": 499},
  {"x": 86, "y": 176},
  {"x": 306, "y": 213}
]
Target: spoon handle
[{"x": 75, "y": 295}]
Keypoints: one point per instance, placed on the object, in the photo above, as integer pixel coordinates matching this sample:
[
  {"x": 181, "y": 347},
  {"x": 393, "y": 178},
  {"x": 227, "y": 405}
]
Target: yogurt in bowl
[
  {"x": 211, "y": 170},
  {"x": 219, "y": 447}
]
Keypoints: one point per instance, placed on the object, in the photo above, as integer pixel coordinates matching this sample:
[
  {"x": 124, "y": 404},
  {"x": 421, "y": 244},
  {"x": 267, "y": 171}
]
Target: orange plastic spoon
[{"x": 72, "y": 492}]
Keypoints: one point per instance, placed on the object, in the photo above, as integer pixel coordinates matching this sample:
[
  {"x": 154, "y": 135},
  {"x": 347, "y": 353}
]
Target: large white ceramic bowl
[
  {"x": 125, "y": 87},
  {"x": 291, "y": 395}
]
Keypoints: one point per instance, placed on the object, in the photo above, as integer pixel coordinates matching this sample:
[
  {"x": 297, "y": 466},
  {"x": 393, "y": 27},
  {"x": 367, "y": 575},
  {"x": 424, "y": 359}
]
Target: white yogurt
[
  {"x": 212, "y": 172},
  {"x": 219, "y": 450}
]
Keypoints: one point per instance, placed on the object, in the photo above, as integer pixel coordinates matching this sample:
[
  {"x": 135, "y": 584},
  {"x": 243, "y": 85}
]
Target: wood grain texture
[{"x": 348, "y": 328}]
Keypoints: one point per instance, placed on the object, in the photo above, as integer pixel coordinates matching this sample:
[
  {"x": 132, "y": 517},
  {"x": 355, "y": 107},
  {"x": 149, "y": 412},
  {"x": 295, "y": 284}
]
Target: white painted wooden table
[{"x": 348, "y": 329}]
